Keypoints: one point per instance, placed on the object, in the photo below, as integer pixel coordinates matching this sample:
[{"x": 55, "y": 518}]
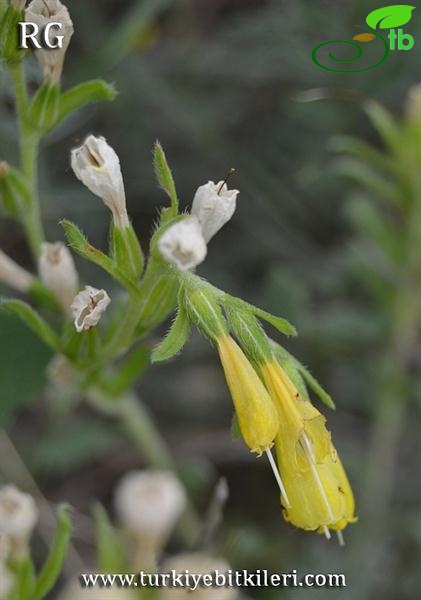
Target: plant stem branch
[{"x": 29, "y": 144}]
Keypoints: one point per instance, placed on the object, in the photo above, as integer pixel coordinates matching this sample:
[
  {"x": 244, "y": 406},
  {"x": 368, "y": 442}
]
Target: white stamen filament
[
  {"x": 308, "y": 449},
  {"x": 278, "y": 478},
  {"x": 340, "y": 538},
  {"x": 326, "y": 532}
]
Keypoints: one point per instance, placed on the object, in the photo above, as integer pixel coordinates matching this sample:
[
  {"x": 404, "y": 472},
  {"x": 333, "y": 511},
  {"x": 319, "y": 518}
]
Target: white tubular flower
[
  {"x": 43, "y": 13},
  {"x": 18, "y": 516},
  {"x": 13, "y": 275},
  {"x": 74, "y": 591},
  {"x": 183, "y": 244},
  {"x": 213, "y": 205},
  {"x": 97, "y": 165},
  {"x": 57, "y": 270},
  {"x": 198, "y": 564},
  {"x": 149, "y": 504},
  {"x": 88, "y": 306}
]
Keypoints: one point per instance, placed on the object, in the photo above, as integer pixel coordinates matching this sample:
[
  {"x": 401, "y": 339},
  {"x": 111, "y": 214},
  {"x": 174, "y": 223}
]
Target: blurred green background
[{"x": 230, "y": 83}]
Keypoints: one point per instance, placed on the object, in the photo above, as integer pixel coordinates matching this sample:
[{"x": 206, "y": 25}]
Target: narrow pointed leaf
[
  {"x": 81, "y": 95},
  {"x": 165, "y": 178},
  {"x": 110, "y": 550},
  {"x": 33, "y": 320},
  {"x": 53, "y": 566},
  {"x": 175, "y": 339}
]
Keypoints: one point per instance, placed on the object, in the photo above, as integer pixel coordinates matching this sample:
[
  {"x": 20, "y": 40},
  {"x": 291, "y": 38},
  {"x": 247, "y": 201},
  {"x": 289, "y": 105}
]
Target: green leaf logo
[{"x": 390, "y": 16}]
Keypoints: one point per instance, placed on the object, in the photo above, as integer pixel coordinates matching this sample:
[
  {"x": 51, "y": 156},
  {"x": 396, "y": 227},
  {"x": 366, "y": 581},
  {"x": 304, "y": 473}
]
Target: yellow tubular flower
[
  {"x": 256, "y": 412},
  {"x": 317, "y": 487}
]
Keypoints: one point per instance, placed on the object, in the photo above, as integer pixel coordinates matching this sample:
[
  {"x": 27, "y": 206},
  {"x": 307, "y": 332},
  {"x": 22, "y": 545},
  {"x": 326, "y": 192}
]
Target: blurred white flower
[
  {"x": 183, "y": 244},
  {"x": 44, "y": 12},
  {"x": 88, "y": 307},
  {"x": 213, "y": 205},
  {"x": 198, "y": 564},
  {"x": 18, "y": 514},
  {"x": 7, "y": 581},
  {"x": 149, "y": 504},
  {"x": 61, "y": 372},
  {"x": 5, "y": 546},
  {"x": 57, "y": 270},
  {"x": 74, "y": 591},
  {"x": 13, "y": 275},
  {"x": 97, "y": 165}
]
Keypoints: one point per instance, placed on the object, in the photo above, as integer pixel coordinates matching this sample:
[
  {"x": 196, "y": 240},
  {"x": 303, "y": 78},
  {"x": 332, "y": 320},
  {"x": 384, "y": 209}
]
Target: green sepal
[
  {"x": 33, "y": 320},
  {"x": 126, "y": 251},
  {"x": 53, "y": 566},
  {"x": 15, "y": 192},
  {"x": 165, "y": 178},
  {"x": 235, "y": 428},
  {"x": 80, "y": 244},
  {"x": 158, "y": 291},
  {"x": 247, "y": 330},
  {"x": 83, "y": 94},
  {"x": 110, "y": 547},
  {"x": 9, "y": 50},
  {"x": 202, "y": 307},
  {"x": 175, "y": 339},
  {"x": 300, "y": 375},
  {"x": 44, "y": 108},
  {"x": 24, "y": 572}
]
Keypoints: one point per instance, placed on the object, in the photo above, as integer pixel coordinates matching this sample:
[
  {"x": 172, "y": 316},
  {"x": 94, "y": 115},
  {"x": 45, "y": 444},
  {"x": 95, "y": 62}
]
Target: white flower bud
[
  {"x": 97, "y": 165},
  {"x": 183, "y": 244},
  {"x": 198, "y": 564},
  {"x": 13, "y": 275},
  {"x": 18, "y": 514},
  {"x": 57, "y": 270},
  {"x": 7, "y": 581},
  {"x": 88, "y": 306},
  {"x": 149, "y": 504},
  {"x": 44, "y": 12},
  {"x": 74, "y": 591},
  {"x": 213, "y": 205}
]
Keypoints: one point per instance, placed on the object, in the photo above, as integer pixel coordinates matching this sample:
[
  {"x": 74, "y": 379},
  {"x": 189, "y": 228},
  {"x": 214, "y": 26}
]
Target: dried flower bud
[
  {"x": 213, "y": 205},
  {"x": 43, "y": 13},
  {"x": 148, "y": 504},
  {"x": 97, "y": 165},
  {"x": 13, "y": 275},
  {"x": 88, "y": 306},
  {"x": 18, "y": 514},
  {"x": 198, "y": 564},
  {"x": 58, "y": 272},
  {"x": 183, "y": 244},
  {"x": 74, "y": 591}
]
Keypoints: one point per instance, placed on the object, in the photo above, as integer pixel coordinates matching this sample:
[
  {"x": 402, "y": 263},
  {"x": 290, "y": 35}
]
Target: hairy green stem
[
  {"x": 29, "y": 144},
  {"x": 139, "y": 426}
]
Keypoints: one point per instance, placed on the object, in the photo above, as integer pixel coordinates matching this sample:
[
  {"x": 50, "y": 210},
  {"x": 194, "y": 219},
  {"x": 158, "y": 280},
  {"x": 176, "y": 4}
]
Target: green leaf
[
  {"x": 88, "y": 92},
  {"x": 33, "y": 320},
  {"x": 175, "y": 339},
  {"x": 368, "y": 178},
  {"x": 109, "y": 545},
  {"x": 282, "y": 325},
  {"x": 80, "y": 244},
  {"x": 315, "y": 386},
  {"x": 25, "y": 579},
  {"x": 385, "y": 125},
  {"x": 165, "y": 178},
  {"x": 364, "y": 152},
  {"x": 22, "y": 350},
  {"x": 54, "y": 563},
  {"x": 390, "y": 16}
]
